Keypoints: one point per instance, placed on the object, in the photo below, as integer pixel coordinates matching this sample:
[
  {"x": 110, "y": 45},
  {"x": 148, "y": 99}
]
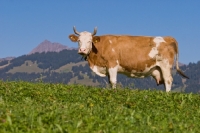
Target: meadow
[{"x": 58, "y": 108}]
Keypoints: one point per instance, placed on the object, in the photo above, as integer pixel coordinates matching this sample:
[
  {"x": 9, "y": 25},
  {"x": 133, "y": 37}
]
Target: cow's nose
[{"x": 82, "y": 49}]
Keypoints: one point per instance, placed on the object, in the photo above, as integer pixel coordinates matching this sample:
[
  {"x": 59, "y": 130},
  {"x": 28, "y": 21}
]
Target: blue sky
[{"x": 26, "y": 23}]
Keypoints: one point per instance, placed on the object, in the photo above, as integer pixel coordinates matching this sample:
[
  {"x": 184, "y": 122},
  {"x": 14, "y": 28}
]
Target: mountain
[
  {"x": 6, "y": 58},
  {"x": 47, "y": 46}
]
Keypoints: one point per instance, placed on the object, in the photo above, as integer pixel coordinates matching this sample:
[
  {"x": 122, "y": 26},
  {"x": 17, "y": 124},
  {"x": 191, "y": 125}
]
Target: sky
[{"x": 24, "y": 24}]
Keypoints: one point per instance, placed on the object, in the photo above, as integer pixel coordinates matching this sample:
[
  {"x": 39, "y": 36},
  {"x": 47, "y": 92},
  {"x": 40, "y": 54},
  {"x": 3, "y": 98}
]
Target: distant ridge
[
  {"x": 6, "y": 58},
  {"x": 47, "y": 46}
]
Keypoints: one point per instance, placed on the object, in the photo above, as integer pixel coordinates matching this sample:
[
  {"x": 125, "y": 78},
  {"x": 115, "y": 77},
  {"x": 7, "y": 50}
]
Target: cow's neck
[{"x": 94, "y": 58}]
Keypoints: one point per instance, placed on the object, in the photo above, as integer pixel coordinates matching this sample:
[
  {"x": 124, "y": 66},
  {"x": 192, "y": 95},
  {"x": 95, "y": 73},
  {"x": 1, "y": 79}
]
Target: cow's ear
[
  {"x": 73, "y": 38},
  {"x": 96, "y": 39}
]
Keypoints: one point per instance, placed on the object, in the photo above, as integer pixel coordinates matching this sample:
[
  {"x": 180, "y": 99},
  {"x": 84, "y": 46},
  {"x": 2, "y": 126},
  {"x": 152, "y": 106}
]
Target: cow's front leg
[{"x": 113, "y": 76}]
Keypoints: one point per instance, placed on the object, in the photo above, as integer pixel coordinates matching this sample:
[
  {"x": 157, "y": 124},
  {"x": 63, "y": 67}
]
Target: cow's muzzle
[{"x": 83, "y": 51}]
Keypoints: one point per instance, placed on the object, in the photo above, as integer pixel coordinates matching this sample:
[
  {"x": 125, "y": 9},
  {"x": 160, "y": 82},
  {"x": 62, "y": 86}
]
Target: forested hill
[{"x": 68, "y": 67}]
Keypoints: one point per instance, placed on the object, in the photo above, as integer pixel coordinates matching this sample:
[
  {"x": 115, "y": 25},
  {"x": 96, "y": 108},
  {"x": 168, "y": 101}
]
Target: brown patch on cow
[
  {"x": 134, "y": 55},
  {"x": 168, "y": 82},
  {"x": 95, "y": 58},
  {"x": 130, "y": 51},
  {"x": 73, "y": 38}
]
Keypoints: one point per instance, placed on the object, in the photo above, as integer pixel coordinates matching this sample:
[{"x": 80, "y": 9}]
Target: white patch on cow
[
  {"x": 101, "y": 71},
  {"x": 133, "y": 71},
  {"x": 113, "y": 50},
  {"x": 166, "y": 73},
  {"x": 110, "y": 41},
  {"x": 132, "y": 75},
  {"x": 113, "y": 75},
  {"x": 137, "y": 75},
  {"x": 120, "y": 68},
  {"x": 85, "y": 42},
  {"x": 158, "y": 40},
  {"x": 154, "y": 50},
  {"x": 159, "y": 58},
  {"x": 157, "y": 75}
]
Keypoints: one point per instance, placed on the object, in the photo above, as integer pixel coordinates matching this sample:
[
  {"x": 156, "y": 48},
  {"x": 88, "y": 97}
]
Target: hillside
[{"x": 67, "y": 67}]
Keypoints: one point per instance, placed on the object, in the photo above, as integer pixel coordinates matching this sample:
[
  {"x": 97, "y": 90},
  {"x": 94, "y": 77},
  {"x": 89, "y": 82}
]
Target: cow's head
[{"x": 84, "y": 39}]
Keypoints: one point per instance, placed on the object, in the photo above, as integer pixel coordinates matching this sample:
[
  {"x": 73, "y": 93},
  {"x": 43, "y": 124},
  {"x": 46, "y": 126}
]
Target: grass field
[
  {"x": 27, "y": 67},
  {"x": 48, "y": 108},
  {"x": 32, "y": 67}
]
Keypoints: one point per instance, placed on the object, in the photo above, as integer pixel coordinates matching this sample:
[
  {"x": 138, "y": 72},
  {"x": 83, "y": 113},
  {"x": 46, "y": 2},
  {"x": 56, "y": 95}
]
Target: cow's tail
[{"x": 177, "y": 66}]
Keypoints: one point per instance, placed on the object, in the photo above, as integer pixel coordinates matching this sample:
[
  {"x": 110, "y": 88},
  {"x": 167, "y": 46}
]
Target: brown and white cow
[{"x": 134, "y": 56}]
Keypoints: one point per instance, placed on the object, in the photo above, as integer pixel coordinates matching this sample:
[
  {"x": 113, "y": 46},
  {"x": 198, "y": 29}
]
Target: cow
[{"x": 134, "y": 56}]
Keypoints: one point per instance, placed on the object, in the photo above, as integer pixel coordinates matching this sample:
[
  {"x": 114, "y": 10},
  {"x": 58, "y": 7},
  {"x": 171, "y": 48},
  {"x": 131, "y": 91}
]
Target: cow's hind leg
[
  {"x": 168, "y": 82},
  {"x": 167, "y": 76},
  {"x": 113, "y": 76}
]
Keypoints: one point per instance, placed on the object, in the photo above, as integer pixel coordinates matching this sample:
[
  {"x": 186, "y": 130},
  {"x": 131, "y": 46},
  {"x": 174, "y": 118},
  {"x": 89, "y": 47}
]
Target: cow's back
[{"x": 134, "y": 52}]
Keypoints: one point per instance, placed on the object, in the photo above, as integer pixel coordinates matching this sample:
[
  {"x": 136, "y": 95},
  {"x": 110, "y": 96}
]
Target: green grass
[
  {"x": 86, "y": 81},
  {"x": 68, "y": 67},
  {"x": 39, "y": 107},
  {"x": 32, "y": 67}
]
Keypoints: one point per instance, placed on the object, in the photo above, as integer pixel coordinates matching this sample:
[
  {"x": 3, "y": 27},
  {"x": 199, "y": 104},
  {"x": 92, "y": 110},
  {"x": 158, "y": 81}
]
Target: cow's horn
[
  {"x": 95, "y": 31},
  {"x": 76, "y": 32}
]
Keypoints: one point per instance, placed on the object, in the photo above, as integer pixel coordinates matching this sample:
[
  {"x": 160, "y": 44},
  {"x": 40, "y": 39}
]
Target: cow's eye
[{"x": 79, "y": 42}]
